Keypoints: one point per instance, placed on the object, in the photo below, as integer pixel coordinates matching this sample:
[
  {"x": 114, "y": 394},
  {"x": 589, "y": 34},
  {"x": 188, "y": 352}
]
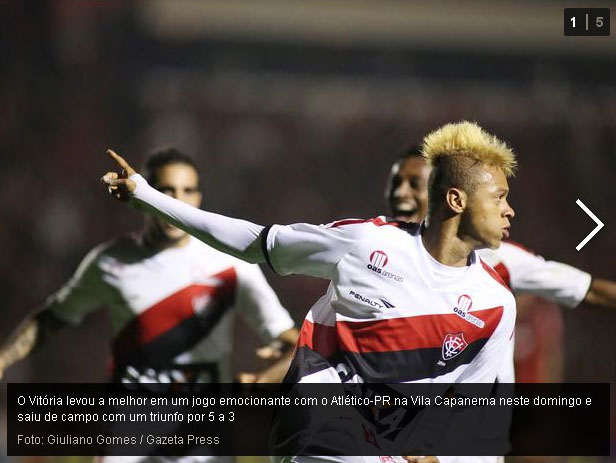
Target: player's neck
[{"x": 441, "y": 240}]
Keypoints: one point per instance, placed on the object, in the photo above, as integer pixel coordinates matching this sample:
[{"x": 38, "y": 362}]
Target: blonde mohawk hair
[{"x": 469, "y": 140}]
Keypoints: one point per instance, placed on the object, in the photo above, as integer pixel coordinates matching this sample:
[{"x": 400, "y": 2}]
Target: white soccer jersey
[
  {"x": 392, "y": 313},
  {"x": 171, "y": 310},
  {"x": 525, "y": 272}
]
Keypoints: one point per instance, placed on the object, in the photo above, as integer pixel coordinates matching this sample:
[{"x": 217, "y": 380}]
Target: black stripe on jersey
[
  {"x": 160, "y": 352},
  {"x": 263, "y": 238},
  {"x": 305, "y": 362},
  {"x": 412, "y": 228},
  {"x": 373, "y": 367},
  {"x": 410, "y": 365}
]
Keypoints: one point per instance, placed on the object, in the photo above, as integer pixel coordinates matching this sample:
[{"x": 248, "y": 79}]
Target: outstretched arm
[
  {"x": 19, "y": 345},
  {"x": 602, "y": 293},
  {"x": 83, "y": 293},
  {"x": 26, "y": 337},
  {"x": 555, "y": 281},
  {"x": 301, "y": 248},
  {"x": 236, "y": 237}
]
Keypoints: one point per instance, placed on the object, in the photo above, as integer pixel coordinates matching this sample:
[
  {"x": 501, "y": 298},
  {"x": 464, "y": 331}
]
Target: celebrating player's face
[
  {"x": 407, "y": 189},
  {"x": 487, "y": 214},
  {"x": 179, "y": 181}
]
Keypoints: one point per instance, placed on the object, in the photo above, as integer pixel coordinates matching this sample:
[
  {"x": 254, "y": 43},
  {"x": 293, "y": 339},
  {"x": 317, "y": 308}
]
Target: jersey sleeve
[
  {"x": 259, "y": 305},
  {"x": 555, "y": 281},
  {"x": 83, "y": 293},
  {"x": 312, "y": 250},
  {"x": 236, "y": 237}
]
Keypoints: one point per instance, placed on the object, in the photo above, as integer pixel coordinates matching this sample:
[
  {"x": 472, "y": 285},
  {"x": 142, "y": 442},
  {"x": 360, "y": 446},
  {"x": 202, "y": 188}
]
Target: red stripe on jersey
[
  {"x": 173, "y": 310},
  {"x": 493, "y": 274},
  {"x": 376, "y": 221},
  {"x": 380, "y": 222},
  {"x": 503, "y": 272},
  {"x": 409, "y": 333},
  {"x": 318, "y": 337}
]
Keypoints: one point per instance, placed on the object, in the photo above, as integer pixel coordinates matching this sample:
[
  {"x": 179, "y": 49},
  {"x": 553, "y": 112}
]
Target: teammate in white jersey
[
  {"x": 523, "y": 271},
  {"x": 386, "y": 280},
  {"x": 171, "y": 298}
]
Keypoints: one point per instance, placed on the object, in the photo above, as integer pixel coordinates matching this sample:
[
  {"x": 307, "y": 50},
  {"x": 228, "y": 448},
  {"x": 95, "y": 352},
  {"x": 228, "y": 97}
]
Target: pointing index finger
[
  {"x": 121, "y": 162},
  {"x": 117, "y": 158}
]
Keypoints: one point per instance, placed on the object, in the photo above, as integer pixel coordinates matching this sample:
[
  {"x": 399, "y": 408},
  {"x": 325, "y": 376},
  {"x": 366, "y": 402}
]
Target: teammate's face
[
  {"x": 487, "y": 215},
  {"x": 407, "y": 189},
  {"x": 180, "y": 181}
]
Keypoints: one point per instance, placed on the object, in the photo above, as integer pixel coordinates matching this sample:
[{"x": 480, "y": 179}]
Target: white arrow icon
[{"x": 596, "y": 229}]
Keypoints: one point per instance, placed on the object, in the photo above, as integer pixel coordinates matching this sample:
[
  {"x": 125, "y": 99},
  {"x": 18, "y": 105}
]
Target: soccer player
[
  {"x": 524, "y": 272},
  {"x": 171, "y": 298},
  {"x": 388, "y": 314}
]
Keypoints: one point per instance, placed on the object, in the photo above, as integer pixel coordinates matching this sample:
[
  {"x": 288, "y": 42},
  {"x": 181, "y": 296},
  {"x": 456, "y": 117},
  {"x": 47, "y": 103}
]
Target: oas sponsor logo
[
  {"x": 462, "y": 310},
  {"x": 378, "y": 262},
  {"x": 453, "y": 345},
  {"x": 378, "y": 259},
  {"x": 465, "y": 303}
]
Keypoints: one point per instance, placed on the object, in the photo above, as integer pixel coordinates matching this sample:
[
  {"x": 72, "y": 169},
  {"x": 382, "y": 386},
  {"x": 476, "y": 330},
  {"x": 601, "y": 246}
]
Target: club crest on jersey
[
  {"x": 462, "y": 310},
  {"x": 378, "y": 261},
  {"x": 453, "y": 345}
]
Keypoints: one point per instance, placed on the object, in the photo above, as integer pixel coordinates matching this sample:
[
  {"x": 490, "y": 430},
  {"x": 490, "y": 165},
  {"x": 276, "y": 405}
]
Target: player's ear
[
  {"x": 456, "y": 200},
  {"x": 199, "y": 199}
]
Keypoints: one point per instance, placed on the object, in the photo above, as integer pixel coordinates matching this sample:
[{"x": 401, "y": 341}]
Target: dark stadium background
[{"x": 294, "y": 111}]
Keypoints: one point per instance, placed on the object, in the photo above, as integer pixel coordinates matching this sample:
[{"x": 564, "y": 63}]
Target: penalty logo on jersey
[
  {"x": 453, "y": 345},
  {"x": 462, "y": 310}
]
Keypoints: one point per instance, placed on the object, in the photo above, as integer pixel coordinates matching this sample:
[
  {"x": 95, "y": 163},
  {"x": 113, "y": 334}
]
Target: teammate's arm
[
  {"x": 261, "y": 308},
  {"x": 276, "y": 372},
  {"x": 602, "y": 293},
  {"x": 19, "y": 344},
  {"x": 83, "y": 293},
  {"x": 27, "y": 337},
  {"x": 275, "y": 349},
  {"x": 558, "y": 282}
]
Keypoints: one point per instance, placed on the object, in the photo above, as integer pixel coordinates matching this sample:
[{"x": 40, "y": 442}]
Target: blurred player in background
[
  {"x": 524, "y": 272},
  {"x": 367, "y": 326},
  {"x": 171, "y": 298}
]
